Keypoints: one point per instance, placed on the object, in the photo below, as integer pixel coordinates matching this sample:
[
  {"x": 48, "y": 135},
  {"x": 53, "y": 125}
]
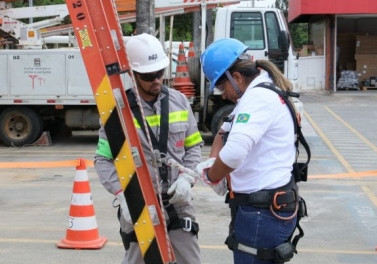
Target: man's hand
[{"x": 181, "y": 189}]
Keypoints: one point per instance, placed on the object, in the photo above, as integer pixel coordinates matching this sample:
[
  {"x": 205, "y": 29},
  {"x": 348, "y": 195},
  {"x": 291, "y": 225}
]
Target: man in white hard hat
[{"x": 174, "y": 132}]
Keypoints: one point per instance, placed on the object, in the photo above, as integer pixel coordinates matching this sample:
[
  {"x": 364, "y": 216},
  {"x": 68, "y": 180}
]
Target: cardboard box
[
  {"x": 304, "y": 51},
  {"x": 366, "y": 66},
  {"x": 366, "y": 44},
  {"x": 319, "y": 50}
]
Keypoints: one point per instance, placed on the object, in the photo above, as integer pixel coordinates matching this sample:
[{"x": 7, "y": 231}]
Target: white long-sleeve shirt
[{"x": 260, "y": 145}]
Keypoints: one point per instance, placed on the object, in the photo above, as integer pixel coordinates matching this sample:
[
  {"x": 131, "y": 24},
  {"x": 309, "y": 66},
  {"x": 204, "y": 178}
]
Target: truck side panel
[
  {"x": 33, "y": 74},
  {"x": 77, "y": 81},
  {"x": 4, "y": 75},
  {"x": 44, "y": 77}
]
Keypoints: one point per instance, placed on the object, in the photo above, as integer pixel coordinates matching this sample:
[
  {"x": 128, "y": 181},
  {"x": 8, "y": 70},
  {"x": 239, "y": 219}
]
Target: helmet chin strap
[{"x": 233, "y": 82}]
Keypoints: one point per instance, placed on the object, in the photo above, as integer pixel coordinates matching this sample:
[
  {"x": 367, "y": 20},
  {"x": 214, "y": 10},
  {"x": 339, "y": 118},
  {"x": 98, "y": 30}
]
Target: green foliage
[
  {"x": 298, "y": 31},
  {"x": 48, "y": 2},
  {"x": 182, "y": 27},
  {"x": 19, "y": 3},
  {"x": 128, "y": 29},
  {"x": 299, "y": 34}
]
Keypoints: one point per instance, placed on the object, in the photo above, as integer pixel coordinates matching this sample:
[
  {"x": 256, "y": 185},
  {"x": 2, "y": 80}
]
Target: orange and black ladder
[{"x": 97, "y": 29}]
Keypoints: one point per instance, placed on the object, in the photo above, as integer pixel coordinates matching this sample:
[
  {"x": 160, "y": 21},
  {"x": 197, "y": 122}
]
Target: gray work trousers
[{"x": 185, "y": 246}]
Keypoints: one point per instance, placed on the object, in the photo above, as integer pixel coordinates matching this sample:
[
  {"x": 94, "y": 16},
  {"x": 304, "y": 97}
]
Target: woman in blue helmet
[{"x": 257, "y": 153}]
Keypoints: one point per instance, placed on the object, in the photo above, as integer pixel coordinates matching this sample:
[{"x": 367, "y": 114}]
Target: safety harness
[
  {"x": 285, "y": 198},
  {"x": 161, "y": 145}
]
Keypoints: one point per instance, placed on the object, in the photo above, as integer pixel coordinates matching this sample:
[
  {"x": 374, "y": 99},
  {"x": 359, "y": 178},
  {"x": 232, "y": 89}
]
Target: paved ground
[{"x": 341, "y": 194}]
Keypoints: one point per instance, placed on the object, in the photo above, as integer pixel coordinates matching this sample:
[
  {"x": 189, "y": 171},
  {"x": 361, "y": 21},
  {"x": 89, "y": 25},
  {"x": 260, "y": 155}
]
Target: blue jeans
[{"x": 258, "y": 228}]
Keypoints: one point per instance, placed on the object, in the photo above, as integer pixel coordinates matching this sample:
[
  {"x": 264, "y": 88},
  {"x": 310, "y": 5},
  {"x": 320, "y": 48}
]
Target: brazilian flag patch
[{"x": 242, "y": 118}]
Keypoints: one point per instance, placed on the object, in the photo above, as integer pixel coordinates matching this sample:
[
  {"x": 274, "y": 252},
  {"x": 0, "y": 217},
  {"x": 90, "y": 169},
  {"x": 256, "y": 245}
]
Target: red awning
[{"x": 302, "y": 8}]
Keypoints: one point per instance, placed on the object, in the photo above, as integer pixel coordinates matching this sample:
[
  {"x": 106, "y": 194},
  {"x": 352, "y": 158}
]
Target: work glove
[
  {"x": 219, "y": 187},
  {"x": 181, "y": 189},
  {"x": 126, "y": 213},
  {"x": 123, "y": 205}
]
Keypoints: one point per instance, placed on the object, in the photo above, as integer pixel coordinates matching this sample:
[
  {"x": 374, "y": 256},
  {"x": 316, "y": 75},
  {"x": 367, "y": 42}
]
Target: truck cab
[{"x": 265, "y": 31}]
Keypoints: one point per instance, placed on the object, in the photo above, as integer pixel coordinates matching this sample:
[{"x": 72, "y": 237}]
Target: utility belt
[
  {"x": 185, "y": 223},
  {"x": 283, "y": 199},
  {"x": 175, "y": 222},
  {"x": 286, "y": 199}
]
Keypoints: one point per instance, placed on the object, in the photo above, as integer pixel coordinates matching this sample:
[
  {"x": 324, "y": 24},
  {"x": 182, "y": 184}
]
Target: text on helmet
[{"x": 152, "y": 57}]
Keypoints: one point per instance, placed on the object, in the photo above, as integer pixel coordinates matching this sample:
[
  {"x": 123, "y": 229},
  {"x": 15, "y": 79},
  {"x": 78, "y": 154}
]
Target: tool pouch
[
  {"x": 300, "y": 171},
  {"x": 284, "y": 252}
]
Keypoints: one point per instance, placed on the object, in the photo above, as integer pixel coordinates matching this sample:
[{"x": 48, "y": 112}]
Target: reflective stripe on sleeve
[
  {"x": 178, "y": 116},
  {"x": 193, "y": 139},
  {"x": 174, "y": 117},
  {"x": 103, "y": 148}
]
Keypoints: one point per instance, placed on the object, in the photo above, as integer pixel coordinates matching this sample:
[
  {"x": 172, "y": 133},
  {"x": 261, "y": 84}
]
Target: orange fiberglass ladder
[{"x": 97, "y": 29}]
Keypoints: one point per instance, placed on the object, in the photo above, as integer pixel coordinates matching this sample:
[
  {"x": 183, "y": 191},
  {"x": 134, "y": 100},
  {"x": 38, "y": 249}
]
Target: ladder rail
[{"x": 100, "y": 40}]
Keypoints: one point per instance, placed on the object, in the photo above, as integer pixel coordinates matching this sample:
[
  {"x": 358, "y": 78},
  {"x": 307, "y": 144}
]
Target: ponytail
[{"x": 275, "y": 74}]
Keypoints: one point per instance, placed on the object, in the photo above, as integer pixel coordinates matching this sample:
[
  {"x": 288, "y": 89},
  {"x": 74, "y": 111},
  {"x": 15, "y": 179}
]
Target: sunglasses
[{"x": 150, "y": 77}]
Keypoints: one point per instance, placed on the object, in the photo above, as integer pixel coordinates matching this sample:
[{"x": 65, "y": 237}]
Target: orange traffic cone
[
  {"x": 193, "y": 65},
  {"x": 82, "y": 230},
  {"x": 191, "y": 51},
  {"x": 182, "y": 81}
]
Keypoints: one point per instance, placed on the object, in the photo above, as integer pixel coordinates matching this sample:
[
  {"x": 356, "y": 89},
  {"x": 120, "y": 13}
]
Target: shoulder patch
[{"x": 242, "y": 118}]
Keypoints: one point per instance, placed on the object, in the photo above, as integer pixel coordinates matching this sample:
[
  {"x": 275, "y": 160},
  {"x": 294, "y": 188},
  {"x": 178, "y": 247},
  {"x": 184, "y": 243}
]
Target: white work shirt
[{"x": 260, "y": 145}]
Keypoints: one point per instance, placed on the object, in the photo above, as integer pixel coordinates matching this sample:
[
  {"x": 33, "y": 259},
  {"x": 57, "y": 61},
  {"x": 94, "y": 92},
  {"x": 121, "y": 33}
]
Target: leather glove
[
  {"x": 181, "y": 189},
  {"x": 220, "y": 187}
]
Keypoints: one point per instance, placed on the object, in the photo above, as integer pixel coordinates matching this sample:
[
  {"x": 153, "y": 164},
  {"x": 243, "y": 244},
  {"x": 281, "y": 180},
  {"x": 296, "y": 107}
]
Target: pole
[
  {"x": 30, "y": 5},
  {"x": 202, "y": 48}
]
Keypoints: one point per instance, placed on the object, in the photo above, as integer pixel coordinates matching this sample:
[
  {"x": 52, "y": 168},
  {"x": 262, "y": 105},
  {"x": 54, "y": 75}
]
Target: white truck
[
  {"x": 265, "y": 31},
  {"x": 46, "y": 89},
  {"x": 43, "y": 90}
]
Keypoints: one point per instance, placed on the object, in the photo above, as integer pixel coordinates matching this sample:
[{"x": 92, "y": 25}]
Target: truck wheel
[
  {"x": 20, "y": 126},
  {"x": 218, "y": 118}
]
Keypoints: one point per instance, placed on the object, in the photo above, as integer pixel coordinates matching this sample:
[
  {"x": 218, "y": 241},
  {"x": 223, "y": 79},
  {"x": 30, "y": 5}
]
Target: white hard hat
[{"x": 145, "y": 54}]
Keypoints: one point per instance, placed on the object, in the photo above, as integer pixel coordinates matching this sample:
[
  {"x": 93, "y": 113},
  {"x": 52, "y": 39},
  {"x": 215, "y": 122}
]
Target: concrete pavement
[{"x": 341, "y": 194}]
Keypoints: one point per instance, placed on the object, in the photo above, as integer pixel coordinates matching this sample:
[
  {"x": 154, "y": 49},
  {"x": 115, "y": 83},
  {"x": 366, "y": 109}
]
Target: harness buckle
[
  {"x": 187, "y": 224},
  {"x": 164, "y": 189},
  {"x": 274, "y": 202}
]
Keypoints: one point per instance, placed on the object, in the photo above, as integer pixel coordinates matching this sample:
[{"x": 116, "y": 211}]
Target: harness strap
[
  {"x": 299, "y": 169},
  {"x": 127, "y": 238},
  {"x": 285, "y": 198},
  {"x": 279, "y": 254},
  {"x": 161, "y": 145},
  {"x": 185, "y": 223},
  {"x": 302, "y": 212}
]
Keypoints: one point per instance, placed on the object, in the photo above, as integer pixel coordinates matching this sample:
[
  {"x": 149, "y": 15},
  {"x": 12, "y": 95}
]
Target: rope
[
  {"x": 154, "y": 162},
  {"x": 174, "y": 164}
]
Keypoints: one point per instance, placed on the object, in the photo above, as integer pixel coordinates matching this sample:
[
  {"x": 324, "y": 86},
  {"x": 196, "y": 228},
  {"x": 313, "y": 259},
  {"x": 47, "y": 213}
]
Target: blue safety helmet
[{"x": 219, "y": 57}]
